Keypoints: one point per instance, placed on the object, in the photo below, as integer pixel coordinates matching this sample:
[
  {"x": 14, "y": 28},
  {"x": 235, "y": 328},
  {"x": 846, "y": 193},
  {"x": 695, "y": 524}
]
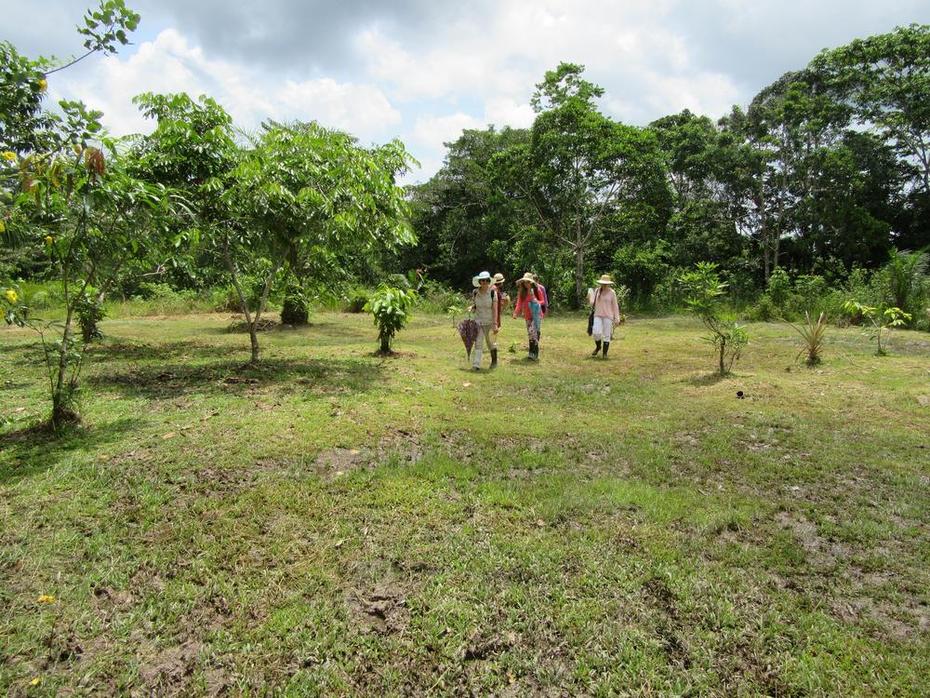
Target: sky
[{"x": 423, "y": 70}]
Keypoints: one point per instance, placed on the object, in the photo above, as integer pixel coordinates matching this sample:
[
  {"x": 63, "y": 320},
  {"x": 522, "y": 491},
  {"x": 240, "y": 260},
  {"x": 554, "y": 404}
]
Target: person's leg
[
  {"x": 493, "y": 346},
  {"x": 607, "y": 326},
  {"x": 533, "y": 336},
  {"x": 597, "y": 334},
  {"x": 477, "y": 351}
]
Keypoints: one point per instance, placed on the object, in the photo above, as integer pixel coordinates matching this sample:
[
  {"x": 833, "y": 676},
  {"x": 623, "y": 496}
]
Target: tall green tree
[
  {"x": 580, "y": 167},
  {"x": 464, "y": 220},
  {"x": 304, "y": 194},
  {"x": 885, "y": 80}
]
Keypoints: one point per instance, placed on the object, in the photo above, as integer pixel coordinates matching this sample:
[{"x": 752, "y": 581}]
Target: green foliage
[
  {"x": 882, "y": 320},
  {"x": 813, "y": 332},
  {"x": 778, "y": 288},
  {"x": 390, "y": 307},
  {"x": 704, "y": 292},
  {"x": 90, "y": 312},
  {"x": 641, "y": 267},
  {"x": 906, "y": 281}
]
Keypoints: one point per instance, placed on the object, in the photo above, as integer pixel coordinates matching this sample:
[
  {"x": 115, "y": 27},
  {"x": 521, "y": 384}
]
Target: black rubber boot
[
  {"x": 494, "y": 358},
  {"x": 534, "y": 351},
  {"x": 606, "y": 347},
  {"x": 597, "y": 347}
]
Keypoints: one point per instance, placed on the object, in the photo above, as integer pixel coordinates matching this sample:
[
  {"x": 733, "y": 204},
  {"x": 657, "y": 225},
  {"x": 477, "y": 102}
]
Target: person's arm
[{"x": 616, "y": 309}]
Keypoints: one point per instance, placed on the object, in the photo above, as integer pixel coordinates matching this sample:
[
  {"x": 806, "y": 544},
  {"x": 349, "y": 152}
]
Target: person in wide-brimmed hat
[
  {"x": 503, "y": 302},
  {"x": 486, "y": 306},
  {"x": 529, "y": 305},
  {"x": 606, "y": 312}
]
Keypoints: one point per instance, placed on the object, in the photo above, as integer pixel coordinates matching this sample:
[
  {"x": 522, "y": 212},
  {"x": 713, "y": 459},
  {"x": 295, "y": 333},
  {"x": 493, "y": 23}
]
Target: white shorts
[{"x": 602, "y": 328}]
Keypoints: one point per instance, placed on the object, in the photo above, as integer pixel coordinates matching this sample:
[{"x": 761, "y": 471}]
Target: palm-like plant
[{"x": 813, "y": 332}]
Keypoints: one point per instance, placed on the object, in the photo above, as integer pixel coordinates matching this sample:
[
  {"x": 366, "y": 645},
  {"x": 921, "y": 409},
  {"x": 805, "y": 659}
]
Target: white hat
[{"x": 483, "y": 276}]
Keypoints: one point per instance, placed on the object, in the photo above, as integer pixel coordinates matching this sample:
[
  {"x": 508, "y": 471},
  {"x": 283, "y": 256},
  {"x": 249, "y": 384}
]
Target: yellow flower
[
  {"x": 44, "y": 598},
  {"x": 9, "y": 155},
  {"x": 49, "y": 239},
  {"x": 43, "y": 85},
  {"x": 36, "y": 681},
  {"x": 11, "y": 296}
]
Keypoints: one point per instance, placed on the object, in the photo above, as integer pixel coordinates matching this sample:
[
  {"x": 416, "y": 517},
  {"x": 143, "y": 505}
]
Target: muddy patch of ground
[{"x": 381, "y": 609}]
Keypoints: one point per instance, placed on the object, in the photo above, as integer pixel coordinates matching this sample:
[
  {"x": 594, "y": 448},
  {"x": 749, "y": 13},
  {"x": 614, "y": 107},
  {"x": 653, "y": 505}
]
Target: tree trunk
[
  {"x": 63, "y": 412},
  {"x": 385, "y": 344},
  {"x": 253, "y": 338},
  {"x": 579, "y": 276}
]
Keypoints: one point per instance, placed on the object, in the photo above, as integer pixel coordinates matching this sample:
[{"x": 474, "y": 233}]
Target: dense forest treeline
[{"x": 826, "y": 171}]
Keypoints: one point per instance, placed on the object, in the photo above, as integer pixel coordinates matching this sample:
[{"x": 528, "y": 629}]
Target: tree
[
  {"x": 305, "y": 194},
  {"x": 703, "y": 292},
  {"x": 24, "y": 126},
  {"x": 390, "y": 307},
  {"x": 91, "y": 216},
  {"x": 579, "y": 167},
  {"x": 464, "y": 219},
  {"x": 886, "y": 80}
]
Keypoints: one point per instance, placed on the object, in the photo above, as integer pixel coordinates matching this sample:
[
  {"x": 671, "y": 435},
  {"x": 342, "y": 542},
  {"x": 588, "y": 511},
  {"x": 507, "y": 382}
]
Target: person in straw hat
[
  {"x": 503, "y": 302},
  {"x": 529, "y": 305},
  {"x": 606, "y": 311},
  {"x": 486, "y": 306}
]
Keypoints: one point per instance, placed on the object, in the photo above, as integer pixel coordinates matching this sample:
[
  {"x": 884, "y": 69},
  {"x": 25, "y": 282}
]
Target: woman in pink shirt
[
  {"x": 606, "y": 314},
  {"x": 529, "y": 305}
]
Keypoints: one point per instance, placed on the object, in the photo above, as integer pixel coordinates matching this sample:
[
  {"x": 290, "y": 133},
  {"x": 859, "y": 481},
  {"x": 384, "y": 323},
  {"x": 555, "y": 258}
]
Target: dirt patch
[
  {"x": 822, "y": 553},
  {"x": 402, "y": 443},
  {"x": 336, "y": 462},
  {"x": 169, "y": 671},
  {"x": 382, "y": 609},
  {"x": 903, "y": 622},
  {"x": 483, "y": 645}
]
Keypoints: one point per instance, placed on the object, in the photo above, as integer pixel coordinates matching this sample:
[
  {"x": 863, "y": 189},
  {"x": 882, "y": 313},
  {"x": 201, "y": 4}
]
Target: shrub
[
  {"x": 778, "y": 288},
  {"x": 703, "y": 292},
  {"x": 356, "y": 300},
  {"x": 89, "y": 312},
  {"x": 295, "y": 308},
  {"x": 764, "y": 310},
  {"x": 435, "y": 297},
  {"x": 882, "y": 320},
  {"x": 809, "y": 292},
  {"x": 390, "y": 307},
  {"x": 905, "y": 281}
]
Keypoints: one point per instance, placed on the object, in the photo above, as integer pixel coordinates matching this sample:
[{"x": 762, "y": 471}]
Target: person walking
[
  {"x": 542, "y": 292},
  {"x": 606, "y": 311},
  {"x": 486, "y": 306},
  {"x": 529, "y": 305},
  {"x": 503, "y": 302}
]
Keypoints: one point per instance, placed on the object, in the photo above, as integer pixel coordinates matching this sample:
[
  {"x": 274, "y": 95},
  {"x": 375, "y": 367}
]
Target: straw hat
[
  {"x": 499, "y": 278},
  {"x": 483, "y": 276},
  {"x": 605, "y": 280},
  {"x": 526, "y": 277}
]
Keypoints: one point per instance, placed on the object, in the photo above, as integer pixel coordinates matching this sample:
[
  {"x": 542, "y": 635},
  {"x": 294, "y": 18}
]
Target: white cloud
[
  {"x": 170, "y": 63},
  {"x": 398, "y": 69}
]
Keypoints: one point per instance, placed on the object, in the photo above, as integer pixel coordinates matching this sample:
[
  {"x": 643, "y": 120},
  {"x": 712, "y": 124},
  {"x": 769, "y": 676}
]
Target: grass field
[{"x": 338, "y": 523}]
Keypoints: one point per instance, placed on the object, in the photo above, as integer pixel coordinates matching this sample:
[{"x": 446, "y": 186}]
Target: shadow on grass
[
  {"x": 141, "y": 351},
  {"x": 36, "y": 449},
  {"x": 169, "y": 380}
]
